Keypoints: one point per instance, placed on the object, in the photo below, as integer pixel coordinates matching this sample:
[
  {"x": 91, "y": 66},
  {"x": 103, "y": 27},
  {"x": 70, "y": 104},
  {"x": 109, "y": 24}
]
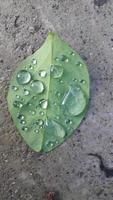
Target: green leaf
[{"x": 48, "y": 94}]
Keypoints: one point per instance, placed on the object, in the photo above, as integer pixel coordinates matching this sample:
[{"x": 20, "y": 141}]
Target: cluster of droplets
[{"x": 73, "y": 101}]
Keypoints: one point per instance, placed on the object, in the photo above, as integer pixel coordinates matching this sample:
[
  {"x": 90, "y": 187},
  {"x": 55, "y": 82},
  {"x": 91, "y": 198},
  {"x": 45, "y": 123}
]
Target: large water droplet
[
  {"x": 17, "y": 104},
  {"x": 56, "y": 71},
  {"x": 43, "y": 103},
  {"x": 42, "y": 73},
  {"x": 74, "y": 101},
  {"x": 14, "y": 88},
  {"x": 56, "y": 129},
  {"x": 58, "y": 94},
  {"x": 37, "y": 86},
  {"x": 23, "y": 77}
]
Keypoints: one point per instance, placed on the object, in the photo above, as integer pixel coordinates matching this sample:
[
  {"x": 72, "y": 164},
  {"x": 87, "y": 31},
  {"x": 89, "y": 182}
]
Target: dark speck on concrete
[{"x": 100, "y": 2}]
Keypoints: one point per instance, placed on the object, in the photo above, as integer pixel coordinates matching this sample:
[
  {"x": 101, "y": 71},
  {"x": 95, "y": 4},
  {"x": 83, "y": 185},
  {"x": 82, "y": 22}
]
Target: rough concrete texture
[{"x": 69, "y": 170}]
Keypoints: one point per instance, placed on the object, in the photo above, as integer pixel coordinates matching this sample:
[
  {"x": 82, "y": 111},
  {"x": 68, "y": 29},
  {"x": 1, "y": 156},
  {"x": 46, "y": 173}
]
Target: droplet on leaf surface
[
  {"x": 48, "y": 95},
  {"x": 23, "y": 77},
  {"x": 37, "y": 86}
]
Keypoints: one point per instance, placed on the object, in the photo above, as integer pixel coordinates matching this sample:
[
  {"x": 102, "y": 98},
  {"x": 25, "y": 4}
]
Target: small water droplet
[
  {"x": 49, "y": 144},
  {"x": 17, "y": 96},
  {"x": 78, "y": 88},
  {"x": 40, "y": 122},
  {"x": 29, "y": 104},
  {"x": 72, "y": 53},
  {"x": 44, "y": 104},
  {"x": 41, "y": 113},
  {"x": 57, "y": 117},
  {"x": 75, "y": 80},
  {"x": 79, "y": 64},
  {"x": 83, "y": 81},
  {"x": 34, "y": 97},
  {"x": 31, "y": 67},
  {"x": 26, "y": 92},
  {"x": 63, "y": 58},
  {"x": 14, "y": 88},
  {"x": 17, "y": 104},
  {"x": 56, "y": 71},
  {"x": 36, "y": 131},
  {"x": 34, "y": 61},
  {"x": 23, "y": 122},
  {"x": 19, "y": 116},
  {"x": 33, "y": 112},
  {"x": 54, "y": 103},
  {"x": 37, "y": 86},
  {"x": 24, "y": 128},
  {"x": 23, "y": 77},
  {"x": 61, "y": 81},
  {"x": 58, "y": 94},
  {"x": 42, "y": 73},
  {"x": 68, "y": 121}
]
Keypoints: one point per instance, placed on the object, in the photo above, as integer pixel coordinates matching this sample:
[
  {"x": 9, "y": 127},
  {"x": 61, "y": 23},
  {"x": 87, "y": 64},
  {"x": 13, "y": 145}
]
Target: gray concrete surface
[{"x": 69, "y": 170}]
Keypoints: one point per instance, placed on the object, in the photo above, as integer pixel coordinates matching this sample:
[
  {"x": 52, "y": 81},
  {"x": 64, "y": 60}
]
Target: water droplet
[
  {"x": 31, "y": 67},
  {"x": 63, "y": 58},
  {"x": 41, "y": 113},
  {"x": 58, "y": 94},
  {"x": 36, "y": 131},
  {"x": 44, "y": 104},
  {"x": 24, "y": 128},
  {"x": 83, "y": 81},
  {"x": 19, "y": 116},
  {"x": 56, "y": 129},
  {"x": 72, "y": 53},
  {"x": 34, "y": 97},
  {"x": 17, "y": 104},
  {"x": 57, "y": 117},
  {"x": 75, "y": 80},
  {"x": 61, "y": 81},
  {"x": 42, "y": 73},
  {"x": 14, "y": 88},
  {"x": 54, "y": 103},
  {"x": 17, "y": 96},
  {"x": 74, "y": 101},
  {"x": 50, "y": 143},
  {"x": 29, "y": 104},
  {"x": 22, "y": 122},
  {"x": 39, "y": 122},
  {"x": 34, "y": 61},
  {"x": 33, "y": 112},
  {"x": 56, "y": 71},
  {"x": 79, "y": 64},
  {"x": 37, "y": 86},
  {"x": 23, "y": 77},
  {"x": 68, "y": 121},
  {"x": 26, "y": 92}
]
